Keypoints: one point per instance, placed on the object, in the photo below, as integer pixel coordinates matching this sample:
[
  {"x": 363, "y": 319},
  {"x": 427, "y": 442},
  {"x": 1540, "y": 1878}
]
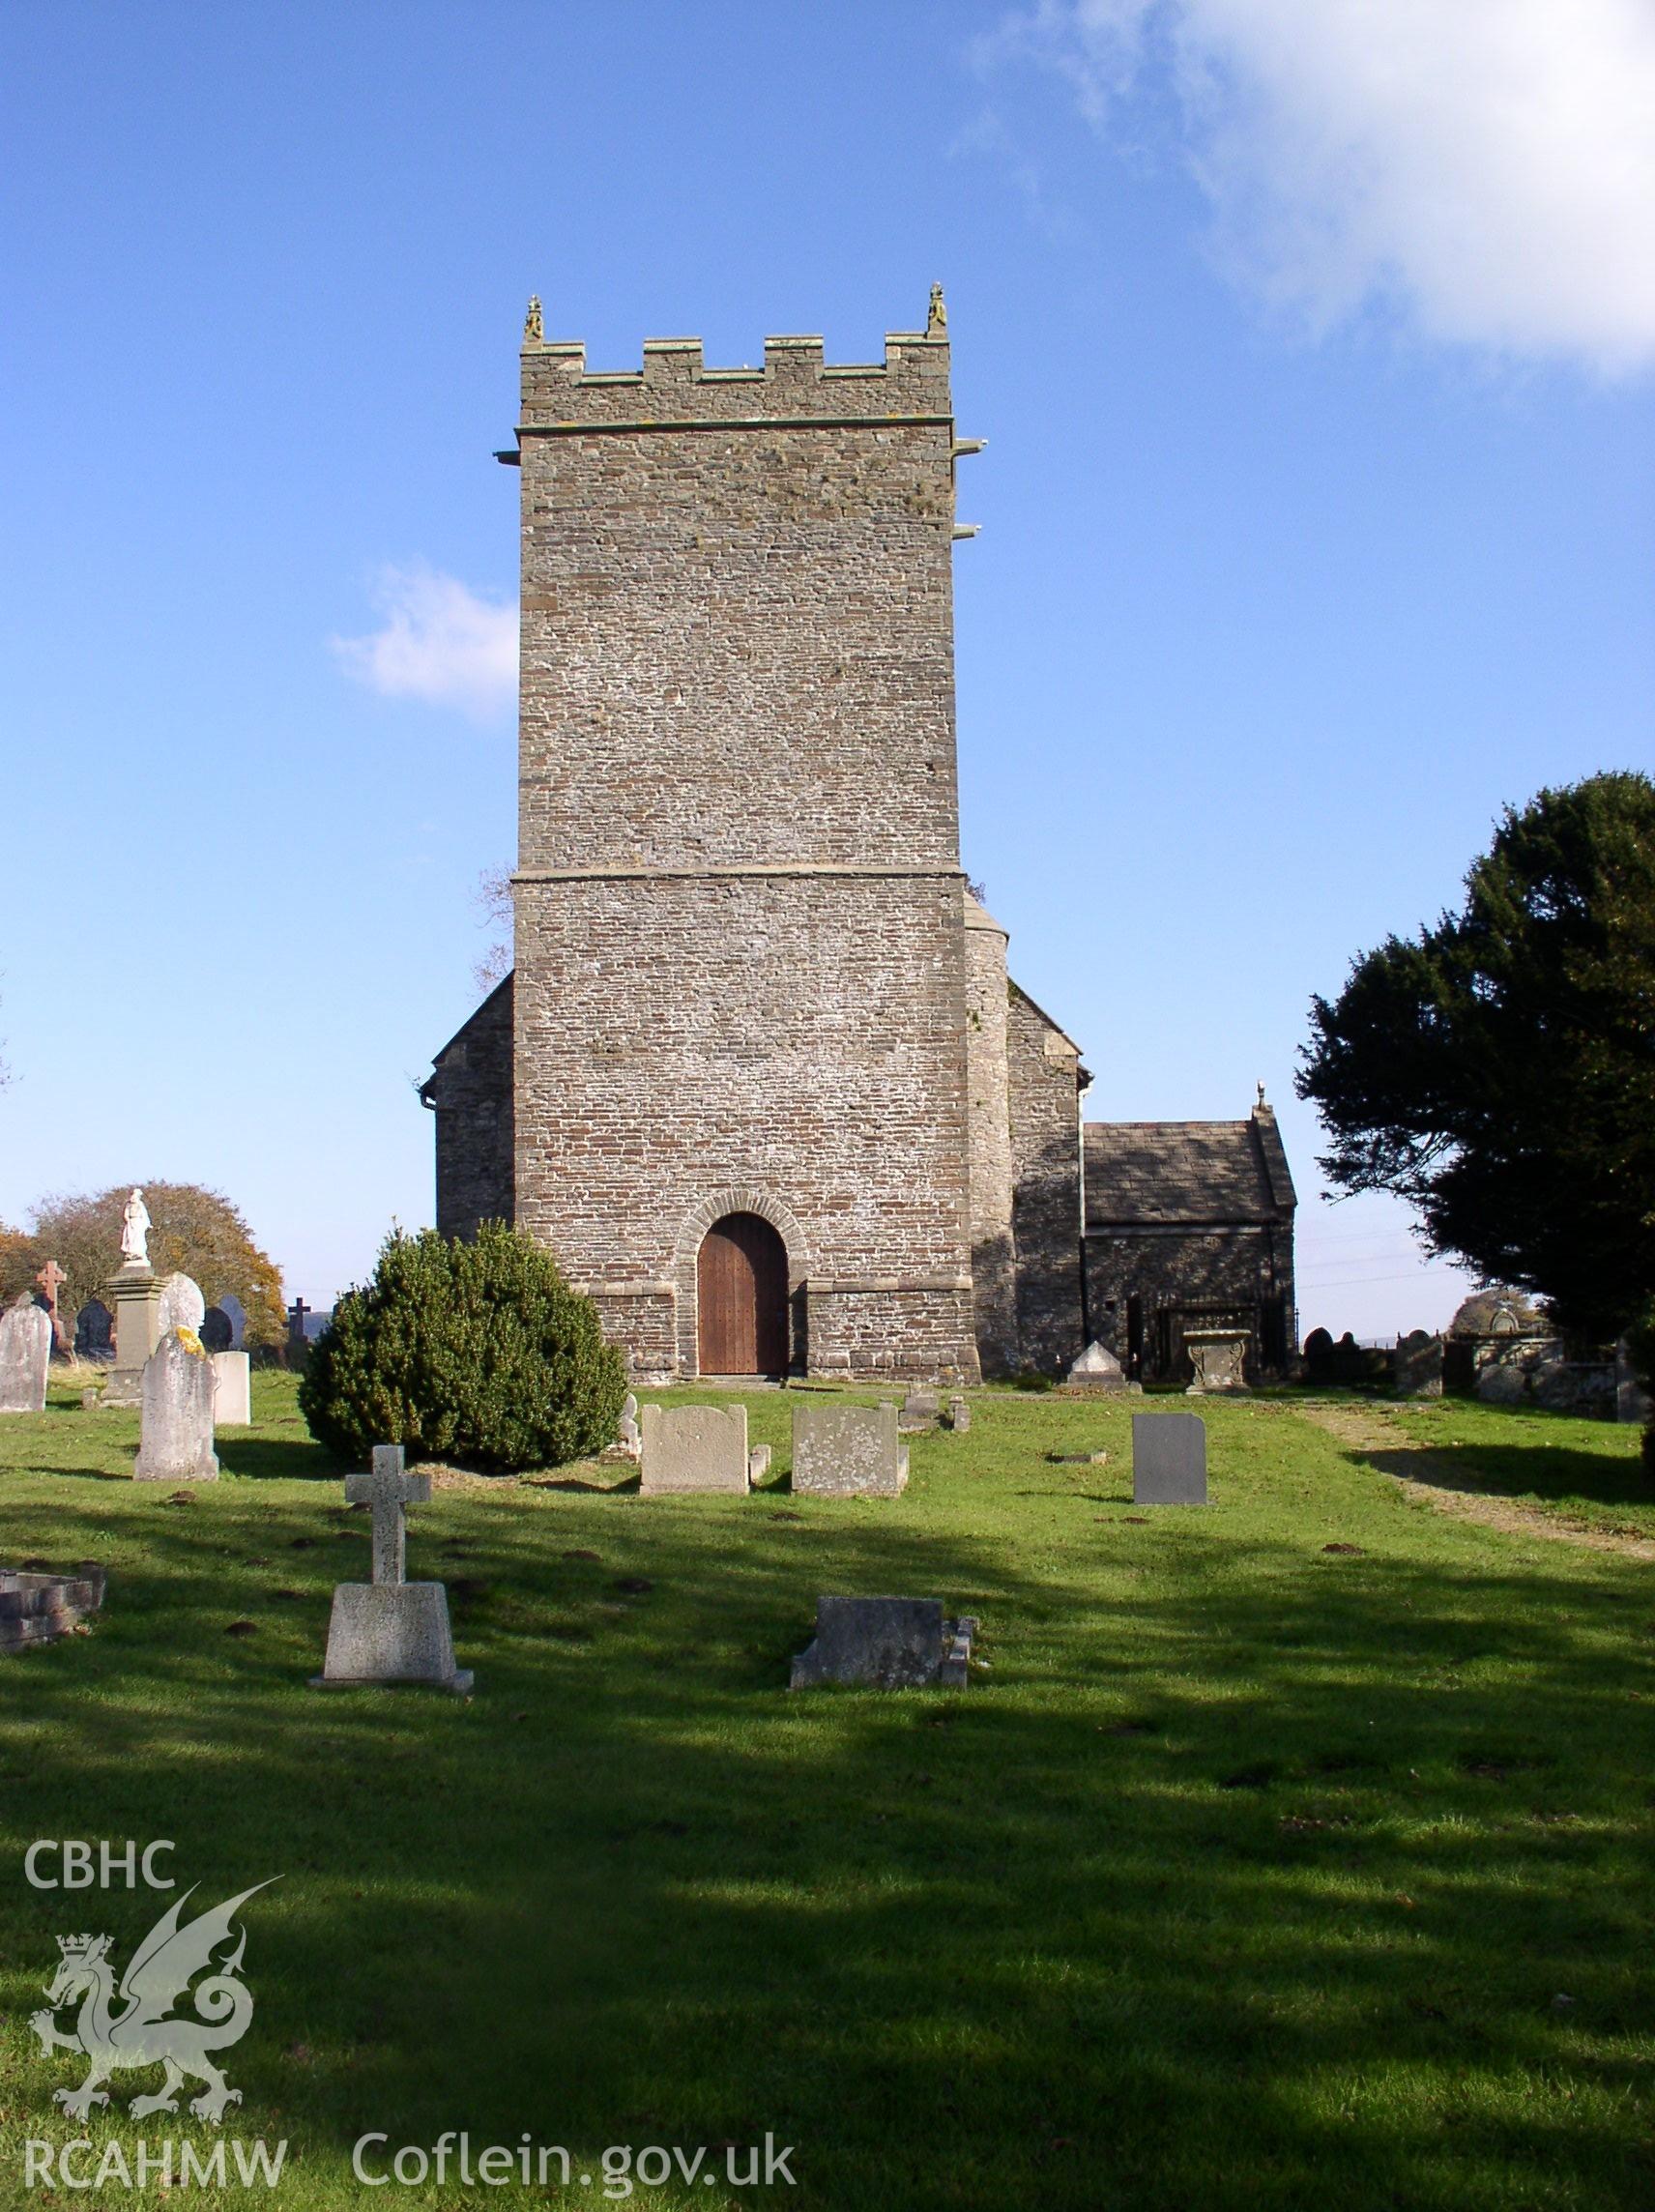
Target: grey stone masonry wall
[
  {"x": 994, "y": 1254},
  {"x": 1043, "y": 1075},
  {"x": 1193, "y": 1222},
  {"x": 740, "y": 941},
  {"x": 1180, "y": 1270},
  {"x": 470, "y": 1091}
]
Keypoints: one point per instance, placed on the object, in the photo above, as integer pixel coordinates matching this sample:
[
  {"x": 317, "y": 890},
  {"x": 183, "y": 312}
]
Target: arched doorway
[{"x": 740, "y": 1284}]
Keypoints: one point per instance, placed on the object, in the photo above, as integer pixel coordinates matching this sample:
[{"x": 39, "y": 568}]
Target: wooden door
[{"x": 740, "y": 1280}]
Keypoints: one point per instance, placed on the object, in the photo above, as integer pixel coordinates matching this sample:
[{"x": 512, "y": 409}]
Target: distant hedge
[{"x": 476, "y": 1353}]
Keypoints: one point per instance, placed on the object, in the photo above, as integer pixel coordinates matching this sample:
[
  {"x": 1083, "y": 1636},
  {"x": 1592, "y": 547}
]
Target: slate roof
[{"x": 1139, "y": 1173}]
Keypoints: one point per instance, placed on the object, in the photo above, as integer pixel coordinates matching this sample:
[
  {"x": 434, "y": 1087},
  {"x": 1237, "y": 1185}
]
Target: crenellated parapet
[{"x": 676, "y": 388}]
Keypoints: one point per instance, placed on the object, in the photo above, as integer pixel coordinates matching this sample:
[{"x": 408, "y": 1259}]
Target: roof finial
[
  {"x": 937, "y": 315},
  {"x": 1262, "y": 1107},
  {"x": 533, "y": 333}
]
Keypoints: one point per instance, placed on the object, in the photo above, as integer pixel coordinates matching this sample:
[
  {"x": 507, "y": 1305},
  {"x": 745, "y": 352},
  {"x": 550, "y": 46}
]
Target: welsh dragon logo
[{"x": 130, "y": 2027}]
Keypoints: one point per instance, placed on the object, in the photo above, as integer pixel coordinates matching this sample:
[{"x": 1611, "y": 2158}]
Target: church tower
[{"x": 738, "y": 1019}]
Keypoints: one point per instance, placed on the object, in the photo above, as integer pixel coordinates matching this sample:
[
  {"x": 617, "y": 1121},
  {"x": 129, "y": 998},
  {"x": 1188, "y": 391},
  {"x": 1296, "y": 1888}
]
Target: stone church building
[{"x": 759, "y": 1077}]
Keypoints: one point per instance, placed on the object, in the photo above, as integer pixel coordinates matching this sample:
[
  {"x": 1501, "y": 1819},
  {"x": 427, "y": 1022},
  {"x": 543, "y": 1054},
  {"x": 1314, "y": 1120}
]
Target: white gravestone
[
  {"x": 232, "y": 1390},
  {"x": 181, "y": 1305},
  {"x": 694, "y": 1448},
  {"x": 25, "y": 1354},
  {"x": 390, "y": 1630},
  {"x": 176, "y": 1434},
  {"x": 1096, "y": 1369},
  {"x": 847, "y": 1452}
]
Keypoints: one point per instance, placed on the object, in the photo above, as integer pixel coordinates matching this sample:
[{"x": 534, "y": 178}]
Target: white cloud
[
  {"x": 1487, "y": 165},
  {"x": 440, "y": 641}
]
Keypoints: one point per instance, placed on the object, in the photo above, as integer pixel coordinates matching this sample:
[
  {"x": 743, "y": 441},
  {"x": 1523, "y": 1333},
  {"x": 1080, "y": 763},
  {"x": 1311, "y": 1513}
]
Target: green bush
[{"x": 476, "y": 1353}]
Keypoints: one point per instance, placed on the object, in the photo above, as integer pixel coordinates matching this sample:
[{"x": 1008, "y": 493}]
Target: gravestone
[
  {"x": 298, "y": 1341},
  {"x": 885, "y": 1644},
  {"x": 51, "y": 1279},
  {"x": 847, "y": 1452},
  {"x": 25, "y": 1354},
  {"x": 921, "y": 1410},
  {"x": 689, "y": 1449},
  {"x": 137, "y": 1304},
  {"x": 1168, "y": 1459},
  {"x": 138, "y": 1299},
  {"x": 233, "y": 1310},
  {"x": 627, "y": 1447},
  {"x": 215, "y": 1333},
  {"x": 758, "y": 1465},
  {"x": 34, "y": 1607},
  {"x": 390, "y": 1630},
  {"x": 95, "y": 1332},
  {"x": 959, "y": 1416},
  {"x": 1219, "y": 1358},
  {"x": 181, "y": 1305},
  {"x": 176, "y": 1437},
  {"x": 232, "y": 1390},
  {"x": 1631, "y": 1399},
  {"x": 1096, "y": 1369},
  {"x": 1501, "y": 1378},
  {"x": 1417, "y": 1365}
]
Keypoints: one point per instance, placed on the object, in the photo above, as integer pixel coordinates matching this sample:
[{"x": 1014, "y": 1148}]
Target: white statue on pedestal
[{"x": 134, "y": 1232}]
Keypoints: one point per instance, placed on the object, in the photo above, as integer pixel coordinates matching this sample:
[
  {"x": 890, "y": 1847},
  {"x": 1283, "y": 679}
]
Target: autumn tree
[{"x": 192, "y": 1230}]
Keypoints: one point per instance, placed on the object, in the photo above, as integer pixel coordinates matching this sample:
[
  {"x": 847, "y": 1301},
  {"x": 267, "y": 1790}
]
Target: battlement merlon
[{"x": 676, "y": 388}]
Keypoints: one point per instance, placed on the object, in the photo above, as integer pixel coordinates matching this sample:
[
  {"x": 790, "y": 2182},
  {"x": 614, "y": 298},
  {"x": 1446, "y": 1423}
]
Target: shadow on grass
[
  {"x": 625, "y": 1485},
  {"x": 1534, "y": 1474},
  {"x": 1255, "y": 1883}
]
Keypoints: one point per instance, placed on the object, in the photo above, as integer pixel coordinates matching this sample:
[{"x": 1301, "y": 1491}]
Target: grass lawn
[
  {"x": 1247, "y": 1872},
  {"x": 1583, "y": 1472}
]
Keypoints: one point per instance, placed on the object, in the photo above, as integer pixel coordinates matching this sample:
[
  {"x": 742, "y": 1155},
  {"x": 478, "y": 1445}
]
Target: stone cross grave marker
[
  {"x": 390, "y": 1491},
  {"x": 390, "y": 1630},
  {"x": 25, "y": 1354},
  {"x": 1168, "y": 1459},
  {"x": 51, "y": 1279}
]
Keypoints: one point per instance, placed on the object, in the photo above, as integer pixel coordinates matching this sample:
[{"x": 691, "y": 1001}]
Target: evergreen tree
[{"x": 1498, "y": 1071}]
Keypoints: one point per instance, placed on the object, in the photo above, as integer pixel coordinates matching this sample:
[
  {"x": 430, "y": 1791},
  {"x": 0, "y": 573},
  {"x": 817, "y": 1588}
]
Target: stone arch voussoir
[{"x": 735, "y": 1198}]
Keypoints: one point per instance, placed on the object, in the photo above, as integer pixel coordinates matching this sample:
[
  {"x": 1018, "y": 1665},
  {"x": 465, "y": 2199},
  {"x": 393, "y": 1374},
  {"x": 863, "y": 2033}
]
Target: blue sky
[{"x": 1313, "y": 349}]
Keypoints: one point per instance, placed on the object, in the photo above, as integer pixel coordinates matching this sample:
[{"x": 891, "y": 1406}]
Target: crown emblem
[{"x": 83, "y": 1949}]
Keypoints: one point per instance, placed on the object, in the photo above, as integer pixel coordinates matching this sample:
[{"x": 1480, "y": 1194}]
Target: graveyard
[{"x": 1302, "y": 1835}]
